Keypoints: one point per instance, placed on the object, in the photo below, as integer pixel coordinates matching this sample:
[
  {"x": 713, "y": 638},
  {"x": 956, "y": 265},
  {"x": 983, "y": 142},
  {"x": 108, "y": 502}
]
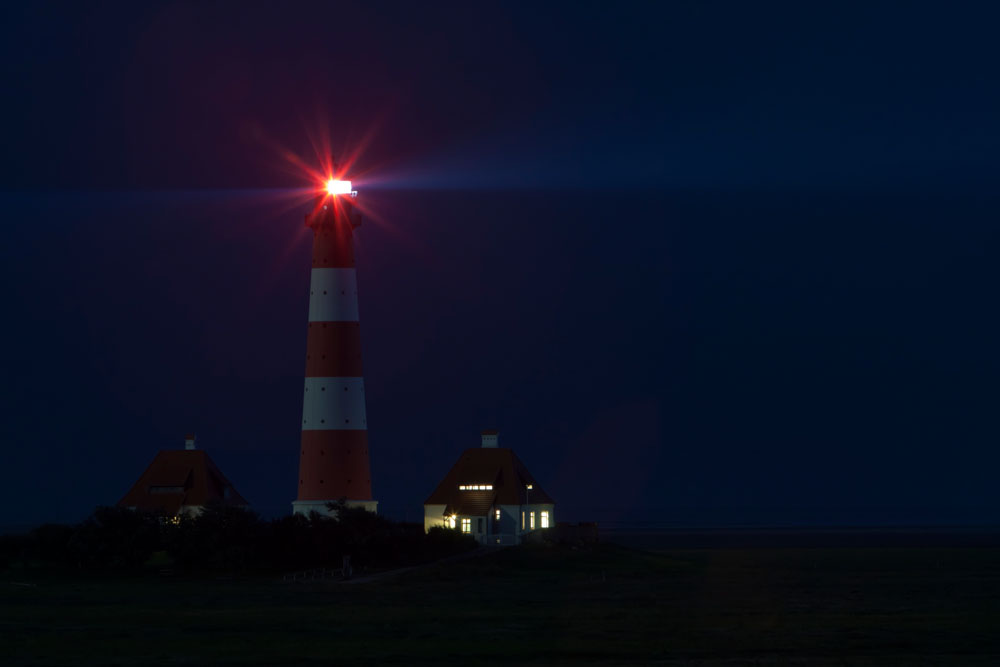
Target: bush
[
  {"x": 443, "y": 542},
  {"x": 114, "y": 539},
  {"x": 220, "y": 538},
  {"x": 228, "y": 539},
  {"x": 48, "y": 543}
]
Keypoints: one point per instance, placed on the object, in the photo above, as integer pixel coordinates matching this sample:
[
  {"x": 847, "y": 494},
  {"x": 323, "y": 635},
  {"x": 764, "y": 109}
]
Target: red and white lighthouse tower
[{"x": 333, "y": 463}]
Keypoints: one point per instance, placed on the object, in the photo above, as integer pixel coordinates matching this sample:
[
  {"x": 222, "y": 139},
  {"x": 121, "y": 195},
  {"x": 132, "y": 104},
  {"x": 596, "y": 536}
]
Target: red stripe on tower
[{"x": 334, "y": 455}]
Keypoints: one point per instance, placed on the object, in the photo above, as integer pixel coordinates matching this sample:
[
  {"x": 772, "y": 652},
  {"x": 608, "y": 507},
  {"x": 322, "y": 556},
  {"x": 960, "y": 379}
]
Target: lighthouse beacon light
[{"x": 335, "y": 187}]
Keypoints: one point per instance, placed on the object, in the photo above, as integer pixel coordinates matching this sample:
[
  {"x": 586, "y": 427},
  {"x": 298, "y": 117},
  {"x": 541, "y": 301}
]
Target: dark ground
[{"x": 926, "y": 602}]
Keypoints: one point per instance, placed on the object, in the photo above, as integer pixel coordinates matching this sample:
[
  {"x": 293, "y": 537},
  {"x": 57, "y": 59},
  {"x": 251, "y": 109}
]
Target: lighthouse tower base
[{"x": 305, "y": 507}]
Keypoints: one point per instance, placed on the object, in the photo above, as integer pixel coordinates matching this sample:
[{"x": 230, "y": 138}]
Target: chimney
[
  {"x": 491, "y": 439},
  {"x": 189, "y": 441}
]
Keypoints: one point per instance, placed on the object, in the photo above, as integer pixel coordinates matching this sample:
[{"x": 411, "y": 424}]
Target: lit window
[
  {"x": 498, "y": 515},
  {"x": 451, "y": 522},
  {"x": 475, "y": 487},
  {"x": 466, "y": 525},
  {"x": 522, "y": 519},
  {"x": 531, "y": 520},
  {"x": 545, "y": 519}
]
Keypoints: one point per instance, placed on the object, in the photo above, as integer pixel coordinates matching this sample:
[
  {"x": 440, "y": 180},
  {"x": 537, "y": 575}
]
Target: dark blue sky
[{"x": 703, "y": 259}]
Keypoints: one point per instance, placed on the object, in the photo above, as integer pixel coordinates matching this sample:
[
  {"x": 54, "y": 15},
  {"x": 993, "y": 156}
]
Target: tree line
[{"x": 228, "y": 539}]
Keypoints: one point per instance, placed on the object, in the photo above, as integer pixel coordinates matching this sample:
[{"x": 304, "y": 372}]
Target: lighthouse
[{"x": 333, "y": 461}]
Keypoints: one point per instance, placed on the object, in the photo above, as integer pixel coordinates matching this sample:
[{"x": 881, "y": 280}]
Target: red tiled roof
[
  {"x": 487, "y": 465},
  {"x": 471, "y": 503},
  {"x": 186, "y": 477}
]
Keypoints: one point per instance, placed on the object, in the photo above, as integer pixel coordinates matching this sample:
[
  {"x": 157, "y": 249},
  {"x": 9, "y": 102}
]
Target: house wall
[
  {"x": 190, "y": 510},
  {"x": 510, "y": 517},
  {"x": 476, "y": 521},
  {"x": 509, "y": 525},
  {"x": 509, "y": 522},
  {"x": 537, "y": 509},
  {"x": 433, "y": 516}
]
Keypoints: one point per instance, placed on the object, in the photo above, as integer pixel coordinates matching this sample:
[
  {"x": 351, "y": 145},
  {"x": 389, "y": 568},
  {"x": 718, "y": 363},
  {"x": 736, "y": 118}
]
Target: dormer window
[{"x": 475, "y": 487}]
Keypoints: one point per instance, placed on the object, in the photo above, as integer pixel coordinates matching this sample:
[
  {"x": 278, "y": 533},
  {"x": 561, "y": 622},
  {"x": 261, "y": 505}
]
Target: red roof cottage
[
  {"x": 181, "y": 481},
  {"x": 490, "y": 494}
]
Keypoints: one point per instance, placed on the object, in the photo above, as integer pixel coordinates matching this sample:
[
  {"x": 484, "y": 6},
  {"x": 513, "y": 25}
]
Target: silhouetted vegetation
[{"x": 227, "y": 539}]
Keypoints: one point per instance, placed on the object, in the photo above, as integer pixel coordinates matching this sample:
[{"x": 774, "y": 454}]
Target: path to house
[{"x": 388, "y": 574}]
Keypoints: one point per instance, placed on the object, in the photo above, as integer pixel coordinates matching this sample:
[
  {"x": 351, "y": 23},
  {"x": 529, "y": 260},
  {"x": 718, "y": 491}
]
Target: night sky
[{"x": 698, "y": 262}]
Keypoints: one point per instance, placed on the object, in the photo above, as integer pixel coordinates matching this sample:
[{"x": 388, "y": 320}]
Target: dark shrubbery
[
  {"x": 110, "y": 539},
  {"x": 220, "y": 538},
  {"x": 50, "y": 543},
  {"x": 114, "y": 539},
  {"x": 226, "y": 539},
  {"x": 440, "y": 542}
]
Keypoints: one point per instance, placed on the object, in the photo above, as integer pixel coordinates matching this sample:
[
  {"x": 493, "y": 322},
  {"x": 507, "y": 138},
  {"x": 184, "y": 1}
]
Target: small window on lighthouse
[{"x": 498, "y": 515}]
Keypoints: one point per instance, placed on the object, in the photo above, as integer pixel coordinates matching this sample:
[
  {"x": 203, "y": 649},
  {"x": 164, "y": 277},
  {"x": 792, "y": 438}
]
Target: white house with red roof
[
  {"x": 181, "y": 482},
  {"x": 490, "y": 494}
]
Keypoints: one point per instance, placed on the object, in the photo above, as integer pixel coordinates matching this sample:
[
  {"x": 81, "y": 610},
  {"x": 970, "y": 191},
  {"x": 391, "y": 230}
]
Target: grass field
[{"x": 609, "y": 605}]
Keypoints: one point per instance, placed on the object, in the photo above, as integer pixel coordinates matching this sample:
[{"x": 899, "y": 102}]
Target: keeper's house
[
  {"x": 491, "y": 495},
  {"x": 181, "y": 482}
]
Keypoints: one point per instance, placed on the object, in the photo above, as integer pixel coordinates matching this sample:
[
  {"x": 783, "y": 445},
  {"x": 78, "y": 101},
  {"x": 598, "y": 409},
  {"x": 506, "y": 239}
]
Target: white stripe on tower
[
  {"x": 333, "y": 295},
  {"x": 332, "y": 404}
]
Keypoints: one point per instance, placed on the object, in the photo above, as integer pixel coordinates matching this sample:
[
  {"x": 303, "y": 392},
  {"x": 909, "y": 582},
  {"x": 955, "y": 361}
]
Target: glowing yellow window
[
  {"x": 466, "y": 525},
  {"x": 545, "y": 519},
  {"x": 451, "y": 522},
  {"x": 531, "y": 520},
  {"x": 498, "y": 515}
]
